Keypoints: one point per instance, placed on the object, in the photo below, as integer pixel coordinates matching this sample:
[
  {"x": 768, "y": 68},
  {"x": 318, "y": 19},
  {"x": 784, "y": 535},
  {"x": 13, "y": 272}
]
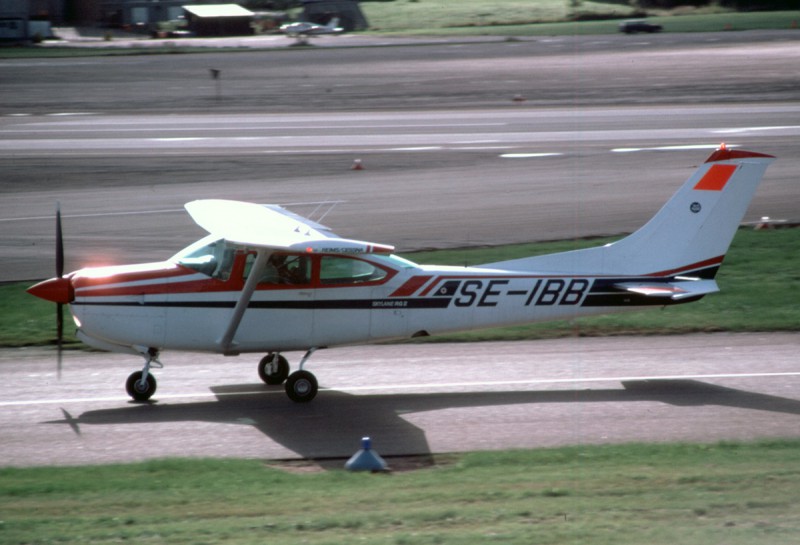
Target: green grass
[
  {"x": 758, "y": 281},
  {"x": 728, "y": 493},
  {"x": 438, "y": 14},
  {"x": 552, "y": 17},
  {"x": 27, "y": 320}
]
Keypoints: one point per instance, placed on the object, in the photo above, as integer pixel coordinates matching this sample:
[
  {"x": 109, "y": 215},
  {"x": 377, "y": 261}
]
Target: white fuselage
[{"x": 342, "y": 300}]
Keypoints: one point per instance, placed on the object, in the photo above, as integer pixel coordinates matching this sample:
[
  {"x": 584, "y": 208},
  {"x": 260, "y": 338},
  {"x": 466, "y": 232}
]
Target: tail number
[{"x": 549, "y": 292}]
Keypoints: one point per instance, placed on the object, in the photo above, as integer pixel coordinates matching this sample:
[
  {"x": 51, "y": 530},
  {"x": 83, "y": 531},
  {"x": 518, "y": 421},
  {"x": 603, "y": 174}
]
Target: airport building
[{"x": 21, "y": 20}]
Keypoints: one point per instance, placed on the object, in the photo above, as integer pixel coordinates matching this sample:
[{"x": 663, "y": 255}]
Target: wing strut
[{"x": 226, "y": 342}]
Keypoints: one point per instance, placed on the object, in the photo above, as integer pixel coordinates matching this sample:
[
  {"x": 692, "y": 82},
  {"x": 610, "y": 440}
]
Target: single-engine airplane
[
  {"x": 267, "y": 280},
  {"x": 304, "y": 30}
]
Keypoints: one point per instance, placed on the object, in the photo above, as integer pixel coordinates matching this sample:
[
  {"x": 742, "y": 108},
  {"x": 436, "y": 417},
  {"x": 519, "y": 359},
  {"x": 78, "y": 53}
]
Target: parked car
[{"x": 632, "y": 27}]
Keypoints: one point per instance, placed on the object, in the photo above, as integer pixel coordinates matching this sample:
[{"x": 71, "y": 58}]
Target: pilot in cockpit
[{"x": 285, "y": 269}]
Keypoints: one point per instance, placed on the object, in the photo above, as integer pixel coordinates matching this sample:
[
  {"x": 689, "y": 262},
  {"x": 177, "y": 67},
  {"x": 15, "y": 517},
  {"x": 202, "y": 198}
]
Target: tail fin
[
  {"x": 690, "y": 234},
  {"x": 333, "y": 24}
]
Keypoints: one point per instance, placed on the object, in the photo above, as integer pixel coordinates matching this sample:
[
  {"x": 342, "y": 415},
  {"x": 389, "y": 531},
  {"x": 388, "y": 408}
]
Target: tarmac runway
[
  {"x": 605, "y": 129},
  {"x": 430, "y": 179},
  {"x": 462, "y": 144},
  {"x": 410, "y": 399}
]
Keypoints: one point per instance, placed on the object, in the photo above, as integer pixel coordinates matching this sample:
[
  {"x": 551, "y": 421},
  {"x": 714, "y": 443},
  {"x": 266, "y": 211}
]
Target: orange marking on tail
[{"x": 716, "y": 178}]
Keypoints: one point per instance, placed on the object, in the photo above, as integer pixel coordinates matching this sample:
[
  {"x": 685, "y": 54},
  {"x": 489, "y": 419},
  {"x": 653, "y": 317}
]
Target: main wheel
[
  {"x": 138, "y": 389},
  {"x": 301, "y": 386},
  {"x": 273, "y": 369}
]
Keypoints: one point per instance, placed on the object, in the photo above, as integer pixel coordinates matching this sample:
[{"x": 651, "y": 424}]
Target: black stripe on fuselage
[{"x": 366, "y": 304}]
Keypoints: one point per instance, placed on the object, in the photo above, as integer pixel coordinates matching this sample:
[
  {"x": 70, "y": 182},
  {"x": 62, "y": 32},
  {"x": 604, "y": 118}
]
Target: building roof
[{"x": 218, "y": 10}]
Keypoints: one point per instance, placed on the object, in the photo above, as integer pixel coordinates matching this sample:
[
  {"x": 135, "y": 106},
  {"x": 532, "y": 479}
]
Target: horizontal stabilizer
[
  {"x": 676, "y": 290},
  {"x": 257, "y": 226}
]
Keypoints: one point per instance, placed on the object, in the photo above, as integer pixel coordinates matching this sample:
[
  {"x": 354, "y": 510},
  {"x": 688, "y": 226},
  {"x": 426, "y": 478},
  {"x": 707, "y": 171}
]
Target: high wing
[{"x": 273, "y": 227}]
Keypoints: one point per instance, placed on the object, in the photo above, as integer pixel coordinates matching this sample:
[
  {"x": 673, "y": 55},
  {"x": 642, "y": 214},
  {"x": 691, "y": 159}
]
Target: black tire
[
  {"x": 276, "y": 376},
  {"x": 301, "y": 386},
  {"x": 139, "y": 391}
]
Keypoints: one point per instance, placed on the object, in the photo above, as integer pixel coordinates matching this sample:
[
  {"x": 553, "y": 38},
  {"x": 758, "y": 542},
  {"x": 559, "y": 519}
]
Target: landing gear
[
  {"x": 141, "y": 385},
  {"x": 273, "y": 369},
  {"x": 301, "y": 386}
]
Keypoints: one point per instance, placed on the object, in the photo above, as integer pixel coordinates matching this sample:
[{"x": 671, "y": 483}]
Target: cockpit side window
[{"x": 282, "y": 269}]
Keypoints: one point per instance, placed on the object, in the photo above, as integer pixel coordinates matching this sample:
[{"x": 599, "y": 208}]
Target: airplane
[
  {"x": 266, "y": 280},
  {"x": 303, "y": 30}
]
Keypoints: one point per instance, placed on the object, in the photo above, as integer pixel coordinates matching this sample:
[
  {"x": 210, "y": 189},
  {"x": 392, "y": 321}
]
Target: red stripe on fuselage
[
  {"x": 153, "y": 279},
  {"x": 412, "y": 285},
  {"x": 692, "y": 267}
]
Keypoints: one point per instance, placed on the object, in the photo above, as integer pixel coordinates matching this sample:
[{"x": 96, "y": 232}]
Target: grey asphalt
[
  {"x": 601, "y": 133},
  {"x": 431, "y": 179},
  {"x": 413, "y": 400},
  {"x": 569, "y": 71},
  {"x": 450, "y": 158}
]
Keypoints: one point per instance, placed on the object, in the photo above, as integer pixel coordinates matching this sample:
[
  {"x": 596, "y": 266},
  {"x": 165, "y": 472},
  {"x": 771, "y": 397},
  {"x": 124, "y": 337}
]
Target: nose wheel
[{"x": 141, "y": 385}]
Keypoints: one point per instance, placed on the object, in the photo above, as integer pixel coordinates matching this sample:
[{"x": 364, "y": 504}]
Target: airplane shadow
[{"x": 331, "y": 426}]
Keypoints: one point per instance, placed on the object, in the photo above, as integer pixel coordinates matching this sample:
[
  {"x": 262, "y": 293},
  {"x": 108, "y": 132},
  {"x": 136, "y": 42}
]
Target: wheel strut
[
  {"x": 307, "y": 355},
  {"x": 302, "y": 386}
]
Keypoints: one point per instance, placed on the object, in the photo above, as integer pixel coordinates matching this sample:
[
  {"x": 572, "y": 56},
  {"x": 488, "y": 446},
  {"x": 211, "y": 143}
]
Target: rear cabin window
[{"x": 346, "y": 270}]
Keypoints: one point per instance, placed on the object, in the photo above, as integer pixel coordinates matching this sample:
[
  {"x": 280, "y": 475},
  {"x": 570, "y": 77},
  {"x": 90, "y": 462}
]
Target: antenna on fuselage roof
[
  {"x": 319, "y": 206},
  {"x": 331, "y": 206}
]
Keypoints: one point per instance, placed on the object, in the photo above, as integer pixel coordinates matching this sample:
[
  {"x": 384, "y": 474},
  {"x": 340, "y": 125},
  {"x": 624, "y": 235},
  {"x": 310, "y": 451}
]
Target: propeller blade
[
  {"x": 59, "y": 274},
  {"x": 59, "y": 334},
  {"x": 59, "y": 244}
]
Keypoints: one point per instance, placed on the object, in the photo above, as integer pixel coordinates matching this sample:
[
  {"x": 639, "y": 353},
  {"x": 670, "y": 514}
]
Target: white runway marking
[
  {"x": 745, "y": 130},
  {"x": 415, "y": 386},
  {"x": 529, "y": 155},
  {"x": 95, "y": 215},
  {"x": 672, "y": 148}
]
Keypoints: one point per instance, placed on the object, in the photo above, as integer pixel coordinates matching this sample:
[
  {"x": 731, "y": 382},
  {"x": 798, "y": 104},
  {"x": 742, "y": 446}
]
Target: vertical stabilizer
[{"x": 690, "y": 234}]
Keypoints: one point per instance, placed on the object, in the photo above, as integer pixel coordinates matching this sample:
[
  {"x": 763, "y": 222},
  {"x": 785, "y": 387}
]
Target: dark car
[{"x": 632, "y": 27}]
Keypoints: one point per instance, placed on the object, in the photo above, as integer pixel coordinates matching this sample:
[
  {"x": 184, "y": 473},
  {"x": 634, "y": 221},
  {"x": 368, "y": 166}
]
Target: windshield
[
  {"x": 209, "y": 256},
  {"x": 395, "y": 261}
]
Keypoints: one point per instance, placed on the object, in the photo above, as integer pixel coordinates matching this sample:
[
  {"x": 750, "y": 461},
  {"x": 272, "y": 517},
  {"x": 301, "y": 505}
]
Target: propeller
[
  {"x": 59, "y": 274},
  {"x": 57, "y": 290}
]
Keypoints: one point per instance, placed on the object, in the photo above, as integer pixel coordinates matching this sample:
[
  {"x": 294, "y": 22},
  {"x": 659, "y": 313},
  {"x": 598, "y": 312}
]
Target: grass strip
[
  {"x": 555, "y": 17},
  {"x": 758, "y": 279},
  {"x": 730, "y": 493}
]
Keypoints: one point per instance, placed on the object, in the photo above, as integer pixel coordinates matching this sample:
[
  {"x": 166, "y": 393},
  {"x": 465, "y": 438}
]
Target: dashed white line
[{"x": 529, "y": 155}]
